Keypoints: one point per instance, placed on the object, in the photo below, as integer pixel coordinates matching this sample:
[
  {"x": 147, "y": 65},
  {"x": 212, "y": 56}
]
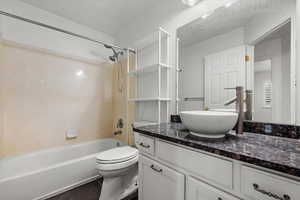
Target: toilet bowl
[{"x": 119, "y": 168}]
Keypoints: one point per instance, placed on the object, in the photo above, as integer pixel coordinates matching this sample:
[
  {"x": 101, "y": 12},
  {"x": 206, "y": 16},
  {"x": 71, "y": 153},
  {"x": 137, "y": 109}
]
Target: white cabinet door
[
  {"x": 158, "y": 182},
  {"x": 196, "y": 190},
  {"x": 226, "y": 69}
]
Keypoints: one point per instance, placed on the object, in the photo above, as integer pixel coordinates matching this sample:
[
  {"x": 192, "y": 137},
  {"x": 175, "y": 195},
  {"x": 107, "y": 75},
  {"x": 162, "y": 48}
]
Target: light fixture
[{"x": 190, "y": 2}]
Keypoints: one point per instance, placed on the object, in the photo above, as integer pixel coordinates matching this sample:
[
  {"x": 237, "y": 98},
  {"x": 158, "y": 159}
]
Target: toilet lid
[{"x": 116, "y": 155}]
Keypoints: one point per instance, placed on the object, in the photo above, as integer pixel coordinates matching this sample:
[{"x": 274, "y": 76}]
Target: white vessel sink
[{"x": 209, "y": 124}]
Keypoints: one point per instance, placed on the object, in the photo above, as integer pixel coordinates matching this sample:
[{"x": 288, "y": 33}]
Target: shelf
[
  {"x": 149, "y": 99},
  {"x": 149, "y": 69},
  {"x": 143, "y": 123},
  {"x": 152, "y": 68}
]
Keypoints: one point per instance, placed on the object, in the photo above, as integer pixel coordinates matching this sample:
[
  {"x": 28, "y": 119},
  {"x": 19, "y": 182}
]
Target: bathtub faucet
[{"x": 118, "y": 132}]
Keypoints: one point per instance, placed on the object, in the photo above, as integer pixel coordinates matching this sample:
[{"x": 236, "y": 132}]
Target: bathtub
[{"x": 44, "y": 174}]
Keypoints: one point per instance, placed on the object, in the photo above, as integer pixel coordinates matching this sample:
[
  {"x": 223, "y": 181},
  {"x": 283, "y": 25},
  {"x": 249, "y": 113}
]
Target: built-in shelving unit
[
  {"x": 143, "y": 123},
  {"x": 150, "y": 99},
  {"x": 177, "y": 75},
  {"x": 149, "y": 69},
  {"x": 151, "y": 77}
]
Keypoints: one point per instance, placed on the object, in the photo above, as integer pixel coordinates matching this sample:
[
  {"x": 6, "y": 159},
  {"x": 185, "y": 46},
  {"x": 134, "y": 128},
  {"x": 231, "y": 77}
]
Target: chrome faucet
[
  {"x": 239, "y": 99},
  {"x": 249, "y": 104}
]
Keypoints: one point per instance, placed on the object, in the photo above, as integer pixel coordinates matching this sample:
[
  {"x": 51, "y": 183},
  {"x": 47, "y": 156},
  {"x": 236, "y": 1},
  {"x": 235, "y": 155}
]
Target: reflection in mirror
[
  {"x": 245, "y": 43},
  {"x": 272, "y": 75}
]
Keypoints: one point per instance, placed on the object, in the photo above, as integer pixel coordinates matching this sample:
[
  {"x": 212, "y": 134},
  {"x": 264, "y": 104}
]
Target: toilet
[{"x": 119, "y": 168}]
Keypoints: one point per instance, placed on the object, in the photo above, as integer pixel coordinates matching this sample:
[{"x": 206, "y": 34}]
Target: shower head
[{"x": 114, "y": 57}]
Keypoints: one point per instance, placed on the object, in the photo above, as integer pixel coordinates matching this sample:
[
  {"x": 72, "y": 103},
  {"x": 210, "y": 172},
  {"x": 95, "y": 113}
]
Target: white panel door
[
  {"x": 226, "y": 69},
  {"x": 158, "y": 182}
]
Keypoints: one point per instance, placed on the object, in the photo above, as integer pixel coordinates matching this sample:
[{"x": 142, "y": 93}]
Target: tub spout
[{"x": 118, "y": 133}]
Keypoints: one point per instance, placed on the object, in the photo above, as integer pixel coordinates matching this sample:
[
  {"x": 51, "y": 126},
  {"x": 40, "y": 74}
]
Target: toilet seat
[
  {"x": 117, "y": 158},
  {"x": 117, "y": 166}
]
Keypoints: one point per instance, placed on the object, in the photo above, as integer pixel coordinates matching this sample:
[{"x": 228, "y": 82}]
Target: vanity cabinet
[
  {"x": 197, "y": 190},
  {"x": 159, "y": 182},
  {"x": 169, "y": 171}
]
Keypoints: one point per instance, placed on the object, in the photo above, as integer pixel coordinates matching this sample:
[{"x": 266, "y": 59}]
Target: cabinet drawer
[
  {"x": 259, "y": 185},
  {"x": 197, "y": 190},
  {"x": 145, "y": 145},
  {"x": 208, "y": 167}
]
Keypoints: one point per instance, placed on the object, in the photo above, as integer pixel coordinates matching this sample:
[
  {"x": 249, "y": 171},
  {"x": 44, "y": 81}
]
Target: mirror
[{"x": 244, "y": 43}]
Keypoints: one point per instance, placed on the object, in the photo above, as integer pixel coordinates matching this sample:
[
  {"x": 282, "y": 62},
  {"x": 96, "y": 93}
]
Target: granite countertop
[{"x": 276, "y": 153}]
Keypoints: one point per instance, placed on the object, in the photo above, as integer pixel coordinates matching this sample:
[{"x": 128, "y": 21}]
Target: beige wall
[{"x": 44, "y": 94}]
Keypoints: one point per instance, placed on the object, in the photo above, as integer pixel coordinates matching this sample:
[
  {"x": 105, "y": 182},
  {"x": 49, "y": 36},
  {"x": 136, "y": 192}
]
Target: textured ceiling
[{"x": 108, "y": 16}]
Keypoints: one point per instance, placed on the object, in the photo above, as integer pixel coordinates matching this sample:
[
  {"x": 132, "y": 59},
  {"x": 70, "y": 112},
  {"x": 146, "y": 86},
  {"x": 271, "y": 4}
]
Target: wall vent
[{"x": 267, "y": 94}]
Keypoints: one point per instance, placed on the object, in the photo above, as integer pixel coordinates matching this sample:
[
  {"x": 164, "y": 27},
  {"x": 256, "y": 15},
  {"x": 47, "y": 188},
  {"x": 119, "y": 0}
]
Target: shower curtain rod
[{"x": 62, "y": 31}]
